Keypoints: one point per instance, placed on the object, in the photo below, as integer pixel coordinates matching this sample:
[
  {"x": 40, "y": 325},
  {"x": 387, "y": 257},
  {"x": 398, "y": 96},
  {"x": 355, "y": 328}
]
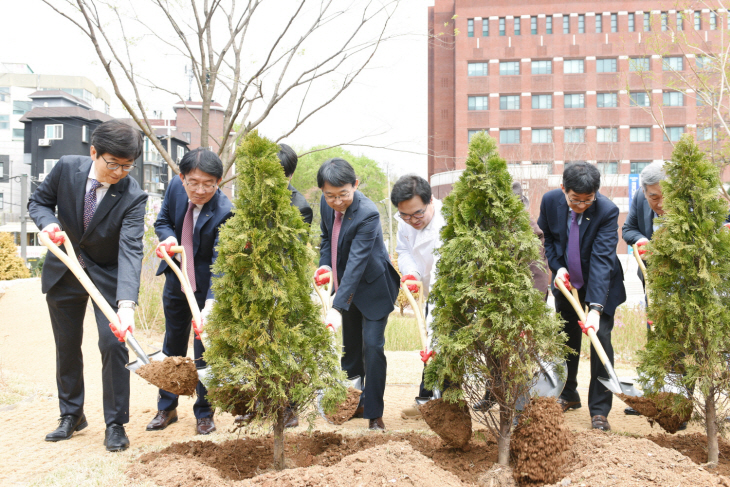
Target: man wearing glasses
[
  {"x": 581, "y": 234},
  {"x": 192, "y": 213},
  {"x": 102, "y": 213}
]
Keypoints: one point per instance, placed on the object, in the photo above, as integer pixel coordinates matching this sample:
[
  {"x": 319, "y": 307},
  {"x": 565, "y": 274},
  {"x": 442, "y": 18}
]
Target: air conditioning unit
[
  {"x": 41, "y": 177},
  {"x": 161, "y": 186},
  {"x": 44, "y": 142}
]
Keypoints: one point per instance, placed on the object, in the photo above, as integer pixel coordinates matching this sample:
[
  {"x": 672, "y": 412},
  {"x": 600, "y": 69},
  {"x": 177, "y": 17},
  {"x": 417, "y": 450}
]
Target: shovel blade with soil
[
  {"x": 657, "y": 408},
  {"x": 173, "y": 374},
  {"x": 452, "y": 422}
]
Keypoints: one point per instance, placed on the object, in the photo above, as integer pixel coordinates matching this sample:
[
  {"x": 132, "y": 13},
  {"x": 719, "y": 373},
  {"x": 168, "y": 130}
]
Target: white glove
[
  {"x": 593, "y": 320},
  {"x": 642, "y": 241},
  {"x": 126, "y": 319},
  {"x": 165, "y": 245},
  {"x": 51, "y": 229},
  {"x": 206, "y": 311},
  {"x": 640, "y": 245},
  {"x": 322, "y": 270},
  {"x": 563, "y": 275},
  {"x": 333, "y": 320}
]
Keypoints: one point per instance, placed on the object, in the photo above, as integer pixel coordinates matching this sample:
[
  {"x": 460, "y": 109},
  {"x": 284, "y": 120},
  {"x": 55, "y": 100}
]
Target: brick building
[{"x": 561, "y": 82}]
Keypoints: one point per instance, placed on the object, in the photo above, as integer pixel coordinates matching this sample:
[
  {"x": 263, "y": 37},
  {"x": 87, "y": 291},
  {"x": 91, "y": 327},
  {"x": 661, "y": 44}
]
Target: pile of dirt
[
  {"x": 174, "y": 374},
  {"x": 540, "y": 443},
  {"x": 347, "y": 409},
  {"x": 658, "y": 409},
  {"x": 452, "y": 422},
  {"x": 694, "y": 446}
]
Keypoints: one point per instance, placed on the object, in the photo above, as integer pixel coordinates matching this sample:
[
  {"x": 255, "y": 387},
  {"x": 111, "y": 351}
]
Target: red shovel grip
[
  {"x": 117, "y": 333},
  {"x": 196, "y": 330},
  {"x": 426, "y": 355},
  {"x": 585, "y": 328}
]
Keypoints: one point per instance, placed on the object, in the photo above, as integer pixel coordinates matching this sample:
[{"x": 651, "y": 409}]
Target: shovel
[
  {"x": 203, "y": 372},
  {"x": 642, "y": 266},
  {"x": 613, "y": 384},
  {"x": 69, "y": 258}
]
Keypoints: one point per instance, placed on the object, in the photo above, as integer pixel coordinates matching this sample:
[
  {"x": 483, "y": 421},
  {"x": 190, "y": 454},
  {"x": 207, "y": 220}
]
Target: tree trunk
[
  {"x": 503, "y": 439},
  {"x": 711, "y": 420},
  {"x": 279, "y": 441}
]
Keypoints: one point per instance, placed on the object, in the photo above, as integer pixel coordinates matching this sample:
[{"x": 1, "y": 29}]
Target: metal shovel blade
[
  {"x": 549, "y": 383},
  {"x": 157, "y": 356},
  {"x": 621, "y": 386},
  {"x": 354, "y": 382}
]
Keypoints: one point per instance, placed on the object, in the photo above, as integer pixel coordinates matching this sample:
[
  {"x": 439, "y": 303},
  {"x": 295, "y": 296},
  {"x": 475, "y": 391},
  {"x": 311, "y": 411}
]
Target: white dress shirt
[
  {"x": 196, "y": 213},
  {"x": 101, "y": 190}
]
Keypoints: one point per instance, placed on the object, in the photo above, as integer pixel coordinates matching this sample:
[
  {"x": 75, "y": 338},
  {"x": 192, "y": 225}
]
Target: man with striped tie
[
  {"x": 192, "y": 213},
  {"x": 101, "y": 211}
]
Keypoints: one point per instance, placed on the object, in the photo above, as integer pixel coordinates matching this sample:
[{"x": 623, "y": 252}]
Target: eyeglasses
[
  {"x": 341, "y": 197},
  {"x": 206, "y": 187},
  {"x": 418, "y": 215},
  {"x": 114, "y": 166},
  {"x": 581, "y": 203}
]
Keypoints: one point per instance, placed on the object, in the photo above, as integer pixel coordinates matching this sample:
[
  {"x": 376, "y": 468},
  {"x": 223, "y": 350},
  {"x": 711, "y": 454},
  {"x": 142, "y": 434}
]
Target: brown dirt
[
  {"x": 658, "y": 409},
  {"x": 695, "y": 447},
  {"x": 540, "y": 443},
  {"x": 346, "y": 410},
  {"x": 452, "y": 422},
  {"x": 174, "y": 374},
  {"x": 498, "y": 476}
]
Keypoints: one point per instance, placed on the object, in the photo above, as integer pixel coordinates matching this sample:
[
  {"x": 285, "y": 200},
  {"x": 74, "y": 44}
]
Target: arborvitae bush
[
  {"x": 490, "y": 324},
  {"x": 11, "y": 264},
  {"x": 268, "y": 345}
]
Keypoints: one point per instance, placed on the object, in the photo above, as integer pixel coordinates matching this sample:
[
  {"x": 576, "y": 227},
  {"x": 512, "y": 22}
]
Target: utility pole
[{"x": 23, "y": 209}]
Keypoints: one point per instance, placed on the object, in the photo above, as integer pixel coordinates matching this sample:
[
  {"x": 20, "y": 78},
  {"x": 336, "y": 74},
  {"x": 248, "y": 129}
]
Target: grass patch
[
  {"x": 628, "y": 335},
  {"x": 14, "y": 389},
  {"x": 401, "y": 334},
  {"x": 98, "y": 471}
]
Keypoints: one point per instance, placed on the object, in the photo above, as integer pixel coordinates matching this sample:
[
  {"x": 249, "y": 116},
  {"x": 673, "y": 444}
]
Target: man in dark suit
[
  {"x": 288, "y": 159},
  {"x": 102, "y": 213},
  {"x": 192, "y": 213},
  {"x": 365, "y": 281},
  {"x": 581, "y": 233}
]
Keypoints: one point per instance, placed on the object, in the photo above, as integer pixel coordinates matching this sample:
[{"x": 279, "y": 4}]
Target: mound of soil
[
  {"x": 540, "y": 443},
  {"x": 452, "y": 422},
  {"x": 174, "y": 374},
  {"x": 346, "y": 410},
  {"x": 657, "y": 409},
  {"x": 695, "y": 447}
]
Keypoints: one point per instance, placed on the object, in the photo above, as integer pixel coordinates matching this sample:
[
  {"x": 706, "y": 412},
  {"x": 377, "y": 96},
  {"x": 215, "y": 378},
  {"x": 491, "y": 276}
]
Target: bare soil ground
[{"x": 27, "y": 352}]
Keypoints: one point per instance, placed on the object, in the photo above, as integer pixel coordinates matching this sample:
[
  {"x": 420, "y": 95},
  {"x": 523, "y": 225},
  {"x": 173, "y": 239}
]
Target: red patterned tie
[
  {"x": 89, "y": 209},
  {"x": 187, "y": 243},
  {"x": 335, "y": 238}
]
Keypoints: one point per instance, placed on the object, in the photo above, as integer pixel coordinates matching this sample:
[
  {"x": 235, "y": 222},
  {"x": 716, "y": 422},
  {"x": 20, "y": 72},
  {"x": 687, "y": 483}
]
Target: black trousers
[
  {"x": 67, "y": 302},
  {"x": 364, "y": 355},
  {"x": 600, "y": 399},
  {"x": 178, "y": 323}
]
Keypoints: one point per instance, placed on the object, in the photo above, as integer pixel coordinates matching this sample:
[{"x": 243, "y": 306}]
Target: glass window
[
  {"x": 581, "y": 24},
  {"x": 673, "y": 99},
  {"x": 509, "y": 102},
  {"x": 606, "y": 65},
  {"x": 713, "y": 21},
  {"x": 542, "y": 67},
  {"x": 632, "y": 22},
  {"x": 518, "y": 26},
  {"x": 647, "y": 22},
  {"x": 85, "y": 134},
  {"x": 509, "y": 68},
  {"x": 614, "y": 22},
  {"x": 478, "y": 103},
  {"x": 470, "y": 27},
  {"x": 575, "y": 136},
  {"x": 698, "y": 20},
  {"x": 566, "y": 24},
  {"x": 18, "y": 134},
  {"x": 704, "y": 62},
  {"x": 639, "y": 99},
  {"x": 4, "y": 122},
  {"x": 599, "y": 23},
  {"x": 478, "y": 69},
  {"x": 639, "y": 64},
  {"x": 549, "y": 24},
  {"x": 576, "y": 100},
  {"x": 606, "y": 100},
  {"x": 472, "y": 133},
  {"x": 48, "y": 165},
  {"x": 502, "y": 28},
  {"x": 680, "y": 22},
  {"x": 638, "y": 166},
  {"x": 607, "y": 134},
  {"x": 54, "y": 132},
  {"x": 704, "y": 133},
  {"x": 665, "y": 21},
  {"x": 573, "y": 66},
  {"x": 533, "y": 25},
  {"x": 509, "y": 136},
  {"x": 4, "y": 93},
  {"x": 21, "y": 107},
  {"x": 640, "y": 134},
  {"x": 542, "y": 102},
  {"x": 485, "y": 27},
  {"x": 675, "y": 133},
  {"x": 607, "y": 167},
  {"x": 542, "y": 136},
  {"x": 673, "y": 63},
  {"x": 2, "y": 203}
]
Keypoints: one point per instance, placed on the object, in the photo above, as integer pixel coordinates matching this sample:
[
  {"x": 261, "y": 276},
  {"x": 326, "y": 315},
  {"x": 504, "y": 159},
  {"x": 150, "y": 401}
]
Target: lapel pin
[
  {"x": 588, "y": 219},
  {"x": 113, "y": 194}
]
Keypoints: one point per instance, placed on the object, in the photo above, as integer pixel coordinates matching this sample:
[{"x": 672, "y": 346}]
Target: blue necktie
[{"x": 574, "y": 267}]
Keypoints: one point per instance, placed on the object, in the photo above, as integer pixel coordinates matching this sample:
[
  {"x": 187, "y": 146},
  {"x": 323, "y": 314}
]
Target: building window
[
  {"x": 18, "y": 134},
  {"x": 542, "y": 67},
  {"x": 470, "y": 27},
  {"x": 4, "y": 122},
  {"x": 632, "y": 22},
  {"x": 606, "y": 65},
  {"x": 673, "y": 99},
  {"x": 509, "y": 102},
  {"x": 509, "y": 68},
  {"x": 606, "y": 100},
  {"x": 48, "y": 165},
  {"x": 576, "y": 100},
  {"x": 599, "y": 23},
  {"x": 698, "y": 20},
  {"x": 607, "y": 167},
  {"x": 607, "y": 134},
  {"x": 533, "y": 25},
  {"x": 665, "y": 21},
  {"x": 673, "y": 63},
  {"x": 542, "y": 136},
  {"x": 581, "y": 24},
  {"x": 478, "y": 69},
  {"x": 478, "y": 103},
  {"x": 704, "y": 62},
  {"x": 640, "y": 134},
  {"x": 152, "y": 178},
  {"x": 614, "y": 22},
  {"x": 85, "y": 134},
  {"x": 2, "y": 169},
  {"x": 639, "y": 64},
  {"x": 518, "y": 27},
  {"x": 542, "y": 102},
  {"x": 713, "y": 21},
  {"x": 639, "y": 99},
  {"x": 2, "y": 202},
  {"x": 573, "y": 66},
  {"x": 485, "y": 27},
  {"x": 647, "y": 22},
  {"x": 4, "y": 93},
  {"x": 54, "y": 132},
  {"x": 638, "y": 166},
  {"x": 549, "y": 24},
  {"x": 680, "y": 22},
  {"x": 575, "y": 136},
  {"x": 188, "y": 136},
  {"x": 502, "y": 28},
  {"x": 21, "y": 107},
  {"x": 181, "y": 152},
  {"x": 675, "y": 133},
  {"x": 472, "y": 133},
  {"x": 566, "y": 24},
  {"x": 509, "y": 136},
  {"x": 704, "y": 133}
]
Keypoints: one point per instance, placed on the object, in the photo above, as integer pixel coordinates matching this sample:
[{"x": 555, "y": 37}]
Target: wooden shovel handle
[
  {"x": 417, "y": 309},
  {"x": 639, "y": 261},
  {"x": 187, "y": 287}
]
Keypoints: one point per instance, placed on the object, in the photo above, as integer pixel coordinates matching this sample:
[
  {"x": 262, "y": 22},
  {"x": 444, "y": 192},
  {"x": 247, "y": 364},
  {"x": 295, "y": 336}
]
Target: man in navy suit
[
  {"x": 581, "y": 234},
  {"x": 365, "y": 282},
  {"x": 192, "y": 213}
]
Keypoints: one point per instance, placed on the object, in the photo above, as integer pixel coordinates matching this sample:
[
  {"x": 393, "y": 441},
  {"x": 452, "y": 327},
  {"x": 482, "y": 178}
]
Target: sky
[{"x": 385, "y": 107}]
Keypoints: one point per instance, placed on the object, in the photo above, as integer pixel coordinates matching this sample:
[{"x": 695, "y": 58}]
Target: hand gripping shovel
[
  {"x": 642, "y": 266},
  {"x": 427, "y": 353},
  {"x": 69, "y": 258},
  {"x": 613, "y": 384},
  {"x": 203, "y": 372}
]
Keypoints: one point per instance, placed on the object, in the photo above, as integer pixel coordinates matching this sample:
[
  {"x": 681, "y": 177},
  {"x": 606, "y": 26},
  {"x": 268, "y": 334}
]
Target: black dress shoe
[
  {"x": 377, "y": 424},
  {"x": 66, "y": 426},
  {"x": 682, "y": 426},
  {"x": 162, "y": 420},
  {"x": 205, "y": 426},
  {"x": 483, "y": 405},
  {"x": 565, "y": 405},
  {"x": 115, "y": 438},
  {"x": 291, "y": 420},
  {"x": 631, "y": 411},
  {"x": 600, "y": 423}
]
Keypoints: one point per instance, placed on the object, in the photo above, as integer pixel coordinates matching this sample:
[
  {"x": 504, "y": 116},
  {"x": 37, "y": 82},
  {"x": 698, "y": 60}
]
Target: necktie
[
  {"x": 89, "y": 209},
  {"x": 574, "y": 267},
  {"x": 187, "y": 243},
  {"x": 335, "y": 238}
]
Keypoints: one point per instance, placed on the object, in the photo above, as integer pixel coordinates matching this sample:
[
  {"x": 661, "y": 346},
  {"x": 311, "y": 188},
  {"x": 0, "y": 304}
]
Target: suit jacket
[
  {"x": 640, "y": 222},
  {"x": 111, "y": 246},
  {"x": 205, "y": 235},
  {"x": 298, "y": 200},
  {"x": 602, "y": 272},
  {"x": 366, "y": 276}
]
